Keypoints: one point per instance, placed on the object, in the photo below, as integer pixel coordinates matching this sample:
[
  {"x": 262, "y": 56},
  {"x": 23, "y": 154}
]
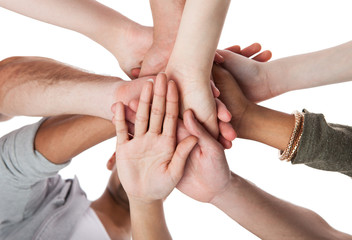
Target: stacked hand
[{"x": 151, "y": 164}]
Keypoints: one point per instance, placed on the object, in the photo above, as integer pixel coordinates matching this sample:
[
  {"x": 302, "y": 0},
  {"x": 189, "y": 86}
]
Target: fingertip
[
  {"x": 225, "y": 115},
  {"x": 227, "y": 131},
  {"x": 113, "y": 108},
  {"x": 234, "y": 49},
  {"x": 133, "y": 105},
  {"x": 135, "y": 72},
  {"x": 225, "y": 143},
  {"x": 218, "y": 58}
]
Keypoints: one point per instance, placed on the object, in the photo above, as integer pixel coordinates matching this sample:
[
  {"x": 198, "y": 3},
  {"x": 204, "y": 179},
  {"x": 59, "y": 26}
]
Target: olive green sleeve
[{"x": 324, "y": 145}]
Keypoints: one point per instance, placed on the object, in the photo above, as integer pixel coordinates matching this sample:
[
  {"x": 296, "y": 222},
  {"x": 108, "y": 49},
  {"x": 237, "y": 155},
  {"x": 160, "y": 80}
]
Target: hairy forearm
[
  {"x": 269, "y": 217},
  {"x": 35, "y": 86},
  {"x": 200, "y": 28},
  {"x": 63, "y": 137},
  {"x": 148, "y": 221},
  {"x": 333, "y": 65}
]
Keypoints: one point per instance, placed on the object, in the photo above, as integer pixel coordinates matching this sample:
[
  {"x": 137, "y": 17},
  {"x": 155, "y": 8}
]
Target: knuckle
[{"x": 157, "y": 111}]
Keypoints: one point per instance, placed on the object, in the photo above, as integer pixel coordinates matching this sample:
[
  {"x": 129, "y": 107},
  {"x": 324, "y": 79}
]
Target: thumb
[{"x": 178, "y": 161}]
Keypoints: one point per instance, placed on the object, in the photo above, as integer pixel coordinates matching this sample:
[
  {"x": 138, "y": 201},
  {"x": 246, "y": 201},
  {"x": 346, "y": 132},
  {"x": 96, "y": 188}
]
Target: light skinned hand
[
  {"x": 207, "y": 173},
  {"x": 249, "y": 72},
  {"x": 151, "y": 164},
  {"x": 227, "y": 133}
]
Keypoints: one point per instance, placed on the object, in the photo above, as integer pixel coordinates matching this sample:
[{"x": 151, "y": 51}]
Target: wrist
[
  {"x": 231, "y": 188},
  {"x": 267, "y": 126},
  {"x": 275, "y": 74}
]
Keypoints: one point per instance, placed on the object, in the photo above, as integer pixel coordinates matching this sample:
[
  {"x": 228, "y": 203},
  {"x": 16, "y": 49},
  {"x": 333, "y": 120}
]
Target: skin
[
  {"x": 207, "y": 178},
  {"x": 44, "y": 81},
  {"x": 261, "y": 81},
  {"x": 151, "y": 164},
  {"x": 166, "y": 17},
  {"x": 103, "y": 25},
  {"x": 72, "y": 134},
  {"x": 181, "y": 27},
  {"x": 200, "y": 27}
]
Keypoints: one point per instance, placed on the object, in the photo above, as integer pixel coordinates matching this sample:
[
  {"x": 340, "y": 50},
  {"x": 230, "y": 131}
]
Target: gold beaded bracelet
[{"x": 289, "y": 153}]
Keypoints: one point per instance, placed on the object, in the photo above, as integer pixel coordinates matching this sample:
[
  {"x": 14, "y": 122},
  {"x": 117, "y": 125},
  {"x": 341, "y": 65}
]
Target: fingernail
[{"x": 150, "y": 80}]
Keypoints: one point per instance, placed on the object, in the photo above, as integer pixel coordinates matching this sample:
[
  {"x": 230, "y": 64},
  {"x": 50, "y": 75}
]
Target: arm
[
  {"x": 200, "y": 28},
  {"x": 207, "y": 178},
  {"x": 35, "y": 86},
  {"x": 166, "y": 17},
  {"x": 261, "y": 81},
  {"x": 94, "y": 20},
  {"x": 322, "y": 145},
  {"x": 270, "y": 217},
  {"x": 148, "y": 177}
]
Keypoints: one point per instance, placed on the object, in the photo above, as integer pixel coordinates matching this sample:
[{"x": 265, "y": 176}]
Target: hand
[
  {"x": 149, "y": 166},
  {"x": 227, "y": 133},
  {"x": 156, "y": 58},
  {"x": 207, "y": 173},
  {"x": 132, "y": 48},
  {"x": 250, "y": 75},
  {"x": 231, "y": 96}
]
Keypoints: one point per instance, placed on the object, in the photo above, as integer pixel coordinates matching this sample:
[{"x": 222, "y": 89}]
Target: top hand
[{"x": 150, "y": 165}]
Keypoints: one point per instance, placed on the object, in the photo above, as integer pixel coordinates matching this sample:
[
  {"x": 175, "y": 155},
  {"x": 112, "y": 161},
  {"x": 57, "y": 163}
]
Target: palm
[{"x": 140, "y": 172}]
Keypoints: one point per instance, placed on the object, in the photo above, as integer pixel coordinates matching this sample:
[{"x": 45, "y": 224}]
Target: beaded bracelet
[{"x": 289, "y": 153}]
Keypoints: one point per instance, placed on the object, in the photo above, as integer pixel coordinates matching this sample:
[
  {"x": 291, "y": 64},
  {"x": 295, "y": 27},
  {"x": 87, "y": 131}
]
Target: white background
[{"x": 286, "y": 28}]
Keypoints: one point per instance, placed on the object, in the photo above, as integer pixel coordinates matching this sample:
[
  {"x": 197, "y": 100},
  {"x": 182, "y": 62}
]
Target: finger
[
  {"x": 223, "y": 113},
  {"x": 251, "y": 50},
  {"x": 142, "y": 115},
  {"x": 171, "y": 115},
  {"x": 218, "y": 58},
  {"x": 178, "y": 161},
  {"x": 130, "y": 115},
  {"x": 158, "y": 106},
  {"x": 133, "y": 104},
  {"x": 227, "y": 131},
  {"x": 263, "y": 57},
  {"x": 120, "y": 124},
  {"x": 225, "y": 143},
  {"x": 214, "y": 89},
  {"x": 135, "y": 72},
  {"x": 234, "y": 49},
  {"x": 113, "y": 108},
  {"x": 196, "y": 129}
]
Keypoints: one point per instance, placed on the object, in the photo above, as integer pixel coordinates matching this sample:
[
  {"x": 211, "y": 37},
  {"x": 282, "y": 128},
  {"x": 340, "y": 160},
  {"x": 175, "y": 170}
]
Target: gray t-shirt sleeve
[
  {"x": 324, "y": 145},
  {"x": 23, "y": 173}
]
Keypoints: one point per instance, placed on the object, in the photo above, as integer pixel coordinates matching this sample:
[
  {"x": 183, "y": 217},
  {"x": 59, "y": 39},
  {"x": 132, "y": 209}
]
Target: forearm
[
  {"x": 166, "y": 17},
  {"x": 265, "y": 125},
  {"x": 61, "y": 138},
  {"x": 35, "y": 86},
  {"x": 333, "y": 65},
  {"x": 200, "y": 28},
  {"x": 148, "y": 221},
  {"x": 87, "y": 17},
  {"x": 269, "y": 217}
]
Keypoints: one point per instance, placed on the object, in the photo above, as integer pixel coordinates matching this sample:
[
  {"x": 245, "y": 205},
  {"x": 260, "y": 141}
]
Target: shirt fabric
[
  {"x": 36, "y": 203},
  {"x": 89, "y": 227},
  {"x": 325, "y": 146}
]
